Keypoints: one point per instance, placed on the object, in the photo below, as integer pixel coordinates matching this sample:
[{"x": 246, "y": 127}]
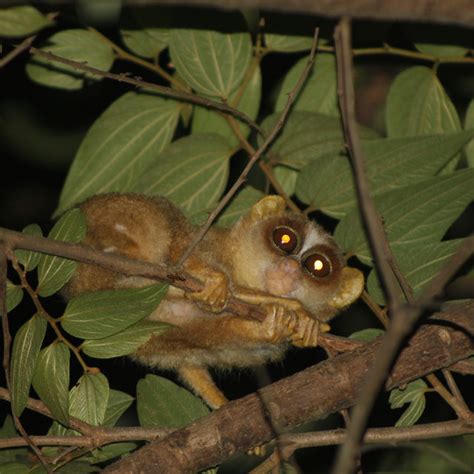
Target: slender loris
[{"x": 270, "y": 257}]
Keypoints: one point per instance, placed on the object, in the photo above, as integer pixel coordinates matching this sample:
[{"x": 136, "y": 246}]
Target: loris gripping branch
[{"x": 271, "y": 257}]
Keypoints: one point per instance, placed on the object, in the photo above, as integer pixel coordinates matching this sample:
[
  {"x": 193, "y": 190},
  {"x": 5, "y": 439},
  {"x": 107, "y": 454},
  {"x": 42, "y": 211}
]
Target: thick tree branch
[
  {"x": 308, "y": 395},
  {"x": 460, "y": 12}
]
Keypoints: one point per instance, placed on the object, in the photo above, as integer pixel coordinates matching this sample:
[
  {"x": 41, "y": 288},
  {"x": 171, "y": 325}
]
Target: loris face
[{"x": 281, "y": 253}]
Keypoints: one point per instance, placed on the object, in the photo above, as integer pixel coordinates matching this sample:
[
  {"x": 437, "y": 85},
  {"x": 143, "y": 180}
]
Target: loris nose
[{"x": 290, "y": 265}]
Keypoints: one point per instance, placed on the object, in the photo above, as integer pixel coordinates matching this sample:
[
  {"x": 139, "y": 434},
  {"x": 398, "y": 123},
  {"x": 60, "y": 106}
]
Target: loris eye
[
  {"x": 285, "y": 239},
  {"x": 318, "y": 265}
]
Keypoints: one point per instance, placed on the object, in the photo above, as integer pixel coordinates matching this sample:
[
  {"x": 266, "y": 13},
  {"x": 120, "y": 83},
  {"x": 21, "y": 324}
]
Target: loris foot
[{"x": 215, "y": 295}]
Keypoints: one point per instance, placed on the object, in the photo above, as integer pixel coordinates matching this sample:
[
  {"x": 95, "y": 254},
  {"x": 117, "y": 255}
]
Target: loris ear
[{"x": 268, "y": 206}]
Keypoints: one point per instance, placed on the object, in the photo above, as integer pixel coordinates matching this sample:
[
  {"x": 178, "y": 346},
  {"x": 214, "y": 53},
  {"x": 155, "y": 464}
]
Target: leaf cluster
[{"x": 419, "y": 169}]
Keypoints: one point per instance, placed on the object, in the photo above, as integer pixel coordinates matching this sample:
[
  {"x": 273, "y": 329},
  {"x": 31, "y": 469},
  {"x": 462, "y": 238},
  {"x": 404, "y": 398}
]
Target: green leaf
[
  {"x": 8, "y": 430},
  {"x": 55, "y": 272},
  {"x": 147, "y": 32},
  {"x": 14, "y": 295},
  {"x": 51, "y": 379},
  {"x": 418, "y": 263},
  {"x": 124, "y": 342},
  {"x": 15, "y": 468},
  {"x": 287, "y": 43},
  {"x": 89, "y": 397},
  {"x": 307, "y": 136},
  {"x": 27, "y": 258},
  {"x": 192, "y": 172},
  {"x": 417, "y": 104},
  {"x": 21, "y": 21},
  {"x": 117, "y": 404},
  {"x": 367, "y": 335},
  {"x": 287, "y": 178},
  {"x": 26, "y": 347},
  {"x": 209, "y": 121},
  {"x": 319, "y": 92},
  {"x": 327, "y": 183},
  {"x": 239, "y": 206},
  {"x": 77, "y": 45},
  {"x": 469, "y": 125},
  {"x": 414, "y": 394},
  {"x": 441, "y": 50},
  {"x": 212, "y": 63},
  {"x": 119, "y": 146},
  {"x": 162, "y": 403},
  {"x": 110, "y": 451},
  {"x": 415, "y": 214},
  {"x": 104, "y": 313}
]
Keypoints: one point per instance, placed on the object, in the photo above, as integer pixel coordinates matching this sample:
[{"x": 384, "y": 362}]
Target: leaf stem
[
  {"x": 124, "y": 55},
  {"x": 44, "y": 314}
]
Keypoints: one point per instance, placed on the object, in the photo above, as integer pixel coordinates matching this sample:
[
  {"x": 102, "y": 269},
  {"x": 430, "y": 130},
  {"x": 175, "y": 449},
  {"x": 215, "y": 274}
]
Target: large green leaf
[
  {"x": 319, "y": 92},
  {"x": 55, "y": 272},
  {"x": 26, "y": 347},
  {"x": 27, "y": 258},
  {"x": 469, "y": 125},
  {"x": 162, "y": 403},
  {"x": 22, "y": 21},
  {"x": 418, "y": 263},
  {"x": 14, "y": 295},
  {"x": 415, "y": 214},
  {"x": 77, "y": 45},
  {"x": 104, "y": 313},
  {"x": 192, "y": 172},
  {"x": 210, "y": 121},
  {"x": 287, "y": 178},
  {"x": 212, "y": 63},
  {"x": 307, "y": 136},
  {"x": 117, "y": 403},
  {"x": 326, "y": 183},
  {"x": 239, "y": 206},
  {"x": 89, "y": 398},
  {"x": 414, "y": 395},
  {"x": 51, "y": 379},
  {"x": 124, "y": 342},
  {"x": 417, "y": 104},
  {"x": 119, "y": 146}
]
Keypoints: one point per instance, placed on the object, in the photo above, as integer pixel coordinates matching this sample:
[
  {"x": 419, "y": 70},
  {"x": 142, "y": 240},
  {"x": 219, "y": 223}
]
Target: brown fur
[{"x": 241, "y": 260}]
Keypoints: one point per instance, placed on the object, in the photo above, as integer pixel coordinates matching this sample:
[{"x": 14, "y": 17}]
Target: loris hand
[
  {"x": 215, "y": 294},
  {"x": 307, "y": 330}
]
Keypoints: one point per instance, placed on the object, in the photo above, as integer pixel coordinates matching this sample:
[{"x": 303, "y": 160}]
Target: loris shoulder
[{"x": 271, "y": 257}]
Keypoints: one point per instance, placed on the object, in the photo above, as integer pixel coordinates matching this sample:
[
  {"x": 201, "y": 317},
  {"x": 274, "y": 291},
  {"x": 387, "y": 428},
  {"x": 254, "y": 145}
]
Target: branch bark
[
  {"x": 308, "y": 395},
  {"x": 460, "y": 12}
]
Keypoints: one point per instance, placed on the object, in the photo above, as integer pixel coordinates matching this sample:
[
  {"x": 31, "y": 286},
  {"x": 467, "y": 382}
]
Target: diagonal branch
[{"x": 314, "y": 393}]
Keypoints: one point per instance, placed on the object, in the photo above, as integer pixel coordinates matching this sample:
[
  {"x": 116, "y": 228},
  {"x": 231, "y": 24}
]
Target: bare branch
[
  {"x": 289, "y": 443},
  {"x": 166, "y": 91},
  {"x": 314, "y": 393}
]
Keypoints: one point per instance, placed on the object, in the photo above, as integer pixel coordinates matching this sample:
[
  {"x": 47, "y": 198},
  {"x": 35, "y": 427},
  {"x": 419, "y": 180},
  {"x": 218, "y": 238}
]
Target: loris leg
[{"x": 200, "y": 381}]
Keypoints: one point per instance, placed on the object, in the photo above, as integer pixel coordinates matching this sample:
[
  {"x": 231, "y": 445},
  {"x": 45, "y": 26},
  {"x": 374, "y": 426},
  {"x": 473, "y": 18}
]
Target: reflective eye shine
[
  {"x": 318, "y": 265},
  {"x": 285, "y": 239}
]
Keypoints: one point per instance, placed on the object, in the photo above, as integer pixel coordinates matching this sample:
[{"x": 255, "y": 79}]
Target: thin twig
[
  {"x": 267, "y": 142},
  {"x": 403, "y": 317},
  {"x": 4, "y": 249},
  {"x": 92, "y": 435},
  {"x": 393, "y": 436},
  {"x": 23, "y": 46},
  {"x": 166, "y": 91}
]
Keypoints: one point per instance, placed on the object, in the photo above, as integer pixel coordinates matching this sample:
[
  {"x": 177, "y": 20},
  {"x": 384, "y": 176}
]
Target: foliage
[{"x": 419, "y": 167}]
